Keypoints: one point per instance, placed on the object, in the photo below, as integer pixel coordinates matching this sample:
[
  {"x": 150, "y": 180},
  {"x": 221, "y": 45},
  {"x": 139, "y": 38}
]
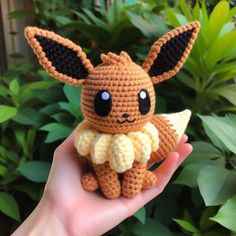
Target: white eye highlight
[
  {"x": 143, "y": 94},
  {"x": 105, "y": 96}
]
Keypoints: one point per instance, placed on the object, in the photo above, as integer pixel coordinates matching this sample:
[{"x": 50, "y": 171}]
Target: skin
[{"x": 66, "y": 209}]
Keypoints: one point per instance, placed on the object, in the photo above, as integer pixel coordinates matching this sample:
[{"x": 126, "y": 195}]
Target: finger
[
  {"x": 67, "y": 146},
  {"x": 184, "y": 139},
  {"x": 167, "y": 167},
  {"x": 184, "y": 150},
  {"x": 164, "y": 174}
]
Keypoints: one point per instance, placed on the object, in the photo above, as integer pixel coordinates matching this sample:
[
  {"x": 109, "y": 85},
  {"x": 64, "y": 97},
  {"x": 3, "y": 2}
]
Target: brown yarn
[
  {"x": 149, "y": 180},
  {"x": 108, "y": 180},
  {"x": 133, "y": 180},
  {"x": 89, "y": 182},
  {"x": 113, "y": 59},
  {"x": 124, "y": 80},
  {"x": 156, "y": 48},
  {"x": 31, "y": 32},
  {"x": 168, "y": 138}
]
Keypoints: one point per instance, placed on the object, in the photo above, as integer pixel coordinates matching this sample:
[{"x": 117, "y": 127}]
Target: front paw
[
  {"x": 150, "y": 180},
  {"x": 133, "y": 180},
  {"x": 89, "y": 182}
]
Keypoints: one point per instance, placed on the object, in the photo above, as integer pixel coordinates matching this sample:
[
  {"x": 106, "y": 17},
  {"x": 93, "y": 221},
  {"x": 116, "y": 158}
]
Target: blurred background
[{"x": 38, "y": 112}]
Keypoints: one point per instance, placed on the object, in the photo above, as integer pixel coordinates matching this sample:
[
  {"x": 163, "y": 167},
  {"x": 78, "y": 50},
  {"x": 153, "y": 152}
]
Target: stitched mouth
[{"x": 126, "y": 120}]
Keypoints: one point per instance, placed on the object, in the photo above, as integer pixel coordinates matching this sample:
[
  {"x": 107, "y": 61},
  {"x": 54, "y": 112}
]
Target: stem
[{"x": 200, "y": 98}]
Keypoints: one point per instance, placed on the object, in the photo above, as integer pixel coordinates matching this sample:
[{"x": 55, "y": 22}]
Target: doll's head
[{"x": 117, "y": 95}]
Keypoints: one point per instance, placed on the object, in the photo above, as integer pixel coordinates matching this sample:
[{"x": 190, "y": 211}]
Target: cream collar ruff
[{"x": 119, "y": 149}]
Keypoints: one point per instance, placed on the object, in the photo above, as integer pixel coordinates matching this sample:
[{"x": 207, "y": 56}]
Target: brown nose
[{"x": 125, "y": 115}]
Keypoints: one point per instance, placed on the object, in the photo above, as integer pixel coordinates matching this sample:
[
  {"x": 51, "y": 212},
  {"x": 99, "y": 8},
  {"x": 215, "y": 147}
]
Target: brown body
[{"x": 118, "y": 97}]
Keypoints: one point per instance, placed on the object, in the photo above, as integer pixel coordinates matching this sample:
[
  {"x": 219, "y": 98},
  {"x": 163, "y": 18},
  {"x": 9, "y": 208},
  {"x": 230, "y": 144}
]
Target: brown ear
[
  {"x": 169, "y": 53},
  {"x": 63, "y": 59}
]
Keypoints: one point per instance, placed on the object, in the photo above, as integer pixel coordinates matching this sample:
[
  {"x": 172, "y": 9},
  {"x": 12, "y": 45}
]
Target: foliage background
[{"x": 37, "y": 112}]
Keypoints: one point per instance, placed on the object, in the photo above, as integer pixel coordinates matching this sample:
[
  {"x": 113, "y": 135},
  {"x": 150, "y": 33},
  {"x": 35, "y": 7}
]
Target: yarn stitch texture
[
  {"x": 120, "y": 132},
  {"x": 119, "y": 150}
]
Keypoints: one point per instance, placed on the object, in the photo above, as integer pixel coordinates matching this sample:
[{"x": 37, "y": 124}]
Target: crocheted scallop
[{"x": 120, "y": 150}]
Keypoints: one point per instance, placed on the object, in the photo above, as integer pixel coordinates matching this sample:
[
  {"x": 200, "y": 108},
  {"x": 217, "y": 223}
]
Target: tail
[{"x": 171, "y": 128}]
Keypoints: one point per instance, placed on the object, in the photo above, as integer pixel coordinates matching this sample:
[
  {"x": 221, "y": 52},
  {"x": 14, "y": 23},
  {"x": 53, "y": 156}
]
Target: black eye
[
  {"x": 102, "y": 103},
  {"x": 144, "y": 101}
]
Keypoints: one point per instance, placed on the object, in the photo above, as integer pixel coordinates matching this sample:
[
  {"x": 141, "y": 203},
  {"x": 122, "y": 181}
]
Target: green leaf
[
  {"x": 232, "y": 13},
  {"x": 223, "y": 128},
  {"x": 49, "y": 96},
  {"x": 26, "y": 91},
  {"x": 227, "y": 28},
  {"x": 220, "y": 48},
  {"x": 36, "y": 171},
  {"x": 30, "y": 116},
  {"x": 30, "y": 140},
  {"x": 62, "y": 20},
  {"x": 196, "y": 11},
  {"x": 217, "y": 19},
  {"x": 227, "y": 214},
  {"x": 205, "y": 222},
  {"x": 182, "y": 19},
  {"x": 203, "y": 153},
  {"x": 7, "y": 112},
  {"x": 83, "y": 18},
  {"x": 73, "y": 94},
  {"x": 50, "y": 109},
  {"x": 146, "y": 27},
  {"x": 20, "y": 14},
  {"x": 172, "y": 17},
  {"x": 53, "y": 127},
  {"x": 9, "y": 206},
  {"x": 188, "y": 175},
  {"x": 186, "y": 225},
  {"x": 228, "y": 92},
  {"x": 57, "y": 135},
  {"x": 216, "y": 184},
  {"x": 14, "y": 86},
  {"x": 31, "y": 189},
  {"x": 10, "y": 177},
  {"x": 141, "y": 215},
  {"x": 95, "y": 19},
  {"x": 96, "y": 32},
  {"x": 214, "y": 139},
  {"x": 3, "y": 91},
  {"x": 56, "y": 131},
  {"x": 3, "y": 170},
  {"x": 152, "y": 227},
  {"x": 186, "y": 9},
  {"x": 71, "y": 108},
  {"x": 60, "y": 117},
  {"x": 225, "y": 77}
]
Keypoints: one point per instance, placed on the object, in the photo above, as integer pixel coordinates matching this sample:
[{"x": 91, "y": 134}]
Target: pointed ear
[
  {"x": 63, "y": 59},
  {"x": 169, "y": 53}
]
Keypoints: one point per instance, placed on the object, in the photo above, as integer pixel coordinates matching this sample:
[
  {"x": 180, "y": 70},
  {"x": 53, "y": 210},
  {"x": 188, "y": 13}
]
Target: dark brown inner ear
[
  {"x": 65, "y": 60},
  {"x": 170, "y": 53}
]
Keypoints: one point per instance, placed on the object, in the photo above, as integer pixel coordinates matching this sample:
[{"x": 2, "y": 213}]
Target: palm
[{"x": 77, "y": 207}]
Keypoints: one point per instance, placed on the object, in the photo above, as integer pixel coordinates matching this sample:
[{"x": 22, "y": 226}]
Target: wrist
[{"x": 42, "y": 221}]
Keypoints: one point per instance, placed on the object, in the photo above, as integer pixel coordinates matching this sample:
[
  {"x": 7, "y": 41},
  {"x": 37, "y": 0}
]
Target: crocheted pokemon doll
[{"x": 120, "y": 132}]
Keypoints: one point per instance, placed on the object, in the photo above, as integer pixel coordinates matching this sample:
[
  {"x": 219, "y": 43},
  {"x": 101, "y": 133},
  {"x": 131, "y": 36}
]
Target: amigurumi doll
[{"x": 120, "y": 132}]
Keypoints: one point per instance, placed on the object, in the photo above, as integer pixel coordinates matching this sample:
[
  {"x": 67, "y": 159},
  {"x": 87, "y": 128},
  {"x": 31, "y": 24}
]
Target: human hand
[{"x": 67, "y": 209}]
